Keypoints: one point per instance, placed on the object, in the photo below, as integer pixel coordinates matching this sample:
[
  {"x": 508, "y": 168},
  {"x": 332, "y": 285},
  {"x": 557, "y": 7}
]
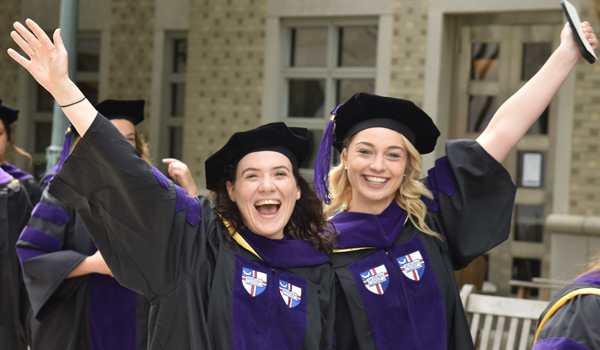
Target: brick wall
[
  {"x": 226, "y": 48},
  {"x": 8, "y": 79},
  {"x": 409, "y": 47},
  {"x": 585, "y": 162},
  {"x": 131, "y": 58},
  {"x": 9, "y": 13}
]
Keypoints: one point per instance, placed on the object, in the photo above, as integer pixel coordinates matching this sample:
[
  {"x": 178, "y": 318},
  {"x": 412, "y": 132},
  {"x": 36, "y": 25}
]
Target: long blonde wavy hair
[{"x": 408, "y": 195}]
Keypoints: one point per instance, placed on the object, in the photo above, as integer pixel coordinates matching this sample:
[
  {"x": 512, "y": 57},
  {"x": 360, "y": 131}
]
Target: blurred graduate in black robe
[
  {"x": 14, "y": 304},
  {"x": 9, "y": 115},
  {"x": 76, "y": 303}
]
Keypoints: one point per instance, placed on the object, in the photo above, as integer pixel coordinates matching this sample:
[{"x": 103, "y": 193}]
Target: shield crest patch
[
  {"x": 292, "y": 295},
  {"x": 412, "y": 265},
  {"x": 376, "y": 279},
  {"x": 254, "y": 281}
]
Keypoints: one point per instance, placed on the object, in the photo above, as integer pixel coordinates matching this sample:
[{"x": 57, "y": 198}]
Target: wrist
[
  {"x": 66, "y": 92},
  {"x": 569, "y": 53}
]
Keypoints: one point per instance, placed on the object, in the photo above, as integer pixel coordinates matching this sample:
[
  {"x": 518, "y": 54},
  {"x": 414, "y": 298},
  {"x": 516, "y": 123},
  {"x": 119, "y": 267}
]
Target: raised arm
[
  {"x": 521, "y": 110},
  {"x": 48, "y": 64}
]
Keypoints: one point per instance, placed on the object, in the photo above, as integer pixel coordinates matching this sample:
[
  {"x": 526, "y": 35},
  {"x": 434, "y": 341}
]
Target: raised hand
[
  {"x": 180, "y": 172},
  {"x": 512, "y": 120},
  {"x": 568, "y": 41},
  {"x": 48, "y": 64},
  {"x": 48, "y": 61}
]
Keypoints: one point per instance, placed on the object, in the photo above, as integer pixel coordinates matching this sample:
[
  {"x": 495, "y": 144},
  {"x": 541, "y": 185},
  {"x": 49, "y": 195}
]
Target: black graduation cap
[
  {"x": 291, "y": 142},
  {"x": 132, "y": 110},
  {"x": 8, "y": 114},
  {"x": 363, "y": 111}
]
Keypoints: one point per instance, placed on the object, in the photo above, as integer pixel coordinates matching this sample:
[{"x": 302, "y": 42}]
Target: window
[
  {"x": 525, "y": 270},
  {"x": 174, "y": 106},
  {"x": 325, "y": 63},
  {"x": 88, "y": 77},
  {"x": 529, "y": 223}
]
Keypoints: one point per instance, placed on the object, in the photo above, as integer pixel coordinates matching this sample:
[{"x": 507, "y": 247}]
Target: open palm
[{"x": 48, "y": 62}]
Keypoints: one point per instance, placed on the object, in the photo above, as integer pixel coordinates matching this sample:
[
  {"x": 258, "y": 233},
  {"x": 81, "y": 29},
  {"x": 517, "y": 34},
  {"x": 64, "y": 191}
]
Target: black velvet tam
[
  {"x": 364, "y": 110},
  {"x": 8, "y": 114},
  {"x": 132, "y": 110},
  {"x": 291, "y": 142}
]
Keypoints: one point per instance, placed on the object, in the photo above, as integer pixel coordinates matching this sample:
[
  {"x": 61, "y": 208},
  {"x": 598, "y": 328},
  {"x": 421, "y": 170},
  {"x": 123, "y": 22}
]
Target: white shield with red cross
[
  {"x": 412, "y": 265},
  {"x": 376, "y": 279},
  {"x": 255, "y": 282},
  {"x": 291, "y": 294}
]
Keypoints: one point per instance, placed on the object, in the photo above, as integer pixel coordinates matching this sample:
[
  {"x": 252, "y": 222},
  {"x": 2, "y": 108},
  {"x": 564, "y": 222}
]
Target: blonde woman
[{"x": 401, "y": 236}]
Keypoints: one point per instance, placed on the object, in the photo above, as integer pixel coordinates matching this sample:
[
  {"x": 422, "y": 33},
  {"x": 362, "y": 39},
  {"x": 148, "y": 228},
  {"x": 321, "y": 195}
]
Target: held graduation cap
[
  {"x": 363, "y": 111},
  {"x": 277, "y": 137},
  {"x": 8, "y": 114}
]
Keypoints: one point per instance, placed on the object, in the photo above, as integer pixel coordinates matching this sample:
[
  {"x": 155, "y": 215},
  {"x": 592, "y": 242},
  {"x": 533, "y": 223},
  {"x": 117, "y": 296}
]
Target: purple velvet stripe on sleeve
[
  {"x": 431, "y": 183},
  {"x": 194, "y": 211},
  {"x": 40, "y": 238},
  {"x": 558, "y": 344},
  {"x": 446, "y": 182},
  {"x": 181, "y": 199},
  {"x": 160, "y": 177},
  {"x": 28, "y": 253},
  {"x": 439, "y": 179},
  {"x": 50, "y": 213}
]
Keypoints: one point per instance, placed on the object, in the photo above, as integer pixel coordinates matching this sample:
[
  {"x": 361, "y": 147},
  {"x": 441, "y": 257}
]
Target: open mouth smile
[
  {"x": 267, "y": 207},
  {"x": 375, "y": 181}
]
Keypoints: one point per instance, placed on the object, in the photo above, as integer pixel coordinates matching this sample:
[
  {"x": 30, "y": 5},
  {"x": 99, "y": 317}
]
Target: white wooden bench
[{"x": 504, "y": 320}]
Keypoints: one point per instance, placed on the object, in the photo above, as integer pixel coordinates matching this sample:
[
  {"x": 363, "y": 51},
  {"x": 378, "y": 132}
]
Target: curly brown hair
[{"x": 307, "y": 223}]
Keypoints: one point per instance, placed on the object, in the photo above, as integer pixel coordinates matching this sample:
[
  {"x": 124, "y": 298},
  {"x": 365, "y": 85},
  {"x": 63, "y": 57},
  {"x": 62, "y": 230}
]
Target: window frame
[
  {"x": 331, "y": 73},
  {"x": 168, "y": 120}
]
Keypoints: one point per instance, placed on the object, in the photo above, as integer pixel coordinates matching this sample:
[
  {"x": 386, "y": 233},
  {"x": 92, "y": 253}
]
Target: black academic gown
[
  {"x": 206, "y": 293},
  {"x": 33, "y": 188},
  {"x": 400, "y": 292},
  {"x": 87, "y": 312},
  {"x": 576, "y": 324},
  {"x": 14, "y": 212}
]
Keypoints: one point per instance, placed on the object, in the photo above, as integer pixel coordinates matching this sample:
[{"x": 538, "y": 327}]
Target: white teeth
[
  {"x": 375, "y": 180},
  {"x": 267, "y": 201}
]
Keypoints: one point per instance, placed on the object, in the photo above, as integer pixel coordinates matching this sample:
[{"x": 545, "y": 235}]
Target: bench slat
[
  {"x": 485, "y": 335},
  {"x": 474, "y": 326},
  {"x": 524, "y": 334},
  {"x": 502, "y": 306},
  {"x": 499, "y": 333},
  {"x": 512, "y": 334}
]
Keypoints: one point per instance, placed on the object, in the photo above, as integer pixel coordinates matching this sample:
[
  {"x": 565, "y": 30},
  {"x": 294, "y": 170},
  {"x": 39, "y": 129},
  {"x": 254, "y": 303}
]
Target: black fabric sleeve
[
  {"x": 577, "y": 320},
  {"x": 150, "y": 238},
  {"x": 475, "y": 197},
  {"x": 33, "y": 190},
  {"x": 46, "y": 261}
]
